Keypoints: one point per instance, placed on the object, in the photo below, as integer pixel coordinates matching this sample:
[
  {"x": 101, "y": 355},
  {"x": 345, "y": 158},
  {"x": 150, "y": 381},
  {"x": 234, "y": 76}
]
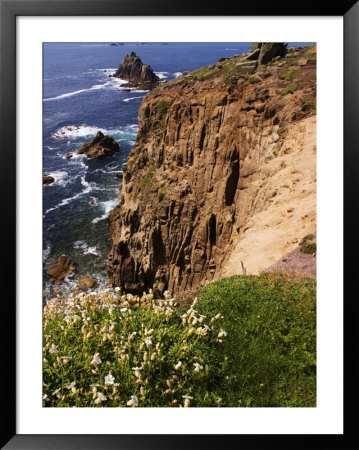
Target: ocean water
[{"x": 79, "y": 99}]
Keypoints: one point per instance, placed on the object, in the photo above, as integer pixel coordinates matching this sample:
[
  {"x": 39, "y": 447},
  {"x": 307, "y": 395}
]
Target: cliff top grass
[
  {"x": 226, "y": 68},
  {"x": 247, "y": 341}
]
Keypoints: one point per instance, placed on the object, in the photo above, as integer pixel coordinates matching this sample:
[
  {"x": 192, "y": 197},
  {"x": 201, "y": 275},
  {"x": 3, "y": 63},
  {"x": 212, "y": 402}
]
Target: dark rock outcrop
[
  {"x": 101, "y": 146},
  {"x": 61, "y": 269},
  {"x": 136, "y": 73},
  {"x": 267, "y": 51},
  {"x": 47, "y": 179}
]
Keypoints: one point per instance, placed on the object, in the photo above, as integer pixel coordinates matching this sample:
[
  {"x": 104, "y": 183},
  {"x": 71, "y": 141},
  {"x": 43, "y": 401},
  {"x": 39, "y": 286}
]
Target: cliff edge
[{"x": 222, "y": 177}]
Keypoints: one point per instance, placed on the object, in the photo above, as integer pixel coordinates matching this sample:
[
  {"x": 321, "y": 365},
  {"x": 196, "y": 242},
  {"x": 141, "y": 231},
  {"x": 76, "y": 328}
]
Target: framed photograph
[{"x": 163, "y": 286}]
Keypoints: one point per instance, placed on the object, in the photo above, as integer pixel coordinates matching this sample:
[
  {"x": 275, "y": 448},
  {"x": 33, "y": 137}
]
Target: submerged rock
[
  {"x": 61, "y": 269},
  {"x": 101, "y": 146},
  {"x": 136, "y": 73}
]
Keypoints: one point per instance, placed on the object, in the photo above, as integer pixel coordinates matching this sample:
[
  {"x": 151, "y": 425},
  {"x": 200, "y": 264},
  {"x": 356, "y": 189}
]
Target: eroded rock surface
[
  {"x": 101, "y": 146},
  {"x": 209, "y": 144},
  {"x": 136, "y": 73},
  {"x": 61, "y": 269}
]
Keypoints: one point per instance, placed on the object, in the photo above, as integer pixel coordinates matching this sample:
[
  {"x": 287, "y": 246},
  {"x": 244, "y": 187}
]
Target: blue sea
[{"x": 79, "y": 99}]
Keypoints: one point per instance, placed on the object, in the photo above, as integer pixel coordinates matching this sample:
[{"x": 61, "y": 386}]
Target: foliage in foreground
[{"x": 111, "y": 349}]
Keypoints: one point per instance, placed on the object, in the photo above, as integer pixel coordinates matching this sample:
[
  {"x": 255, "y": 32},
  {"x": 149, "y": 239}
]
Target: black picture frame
[{"x": 9, "y": 10}]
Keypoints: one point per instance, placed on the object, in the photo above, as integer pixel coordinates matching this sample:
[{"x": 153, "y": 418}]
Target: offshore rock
[
  {"x": 136, "y": 73},
  {"x": 87, "y": 282},
  {"x": 61, "y": 269},
  {"x": 47, "y": 179},
  {"x": 101, "y": 146}
]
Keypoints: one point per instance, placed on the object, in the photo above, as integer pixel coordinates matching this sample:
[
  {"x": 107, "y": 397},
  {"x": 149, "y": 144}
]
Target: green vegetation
[
  {"x": 249, "y": 341},
  {"x": 308, "y": 237},
  {"x": 287, "y": 74},
  {"x": 161, "y": 109},
  {"x": 146, "y": 183},
  {"x": 161, "y": 195},
  {"x": 309, "y": 248},
  {"x": 308, "y": 103},
  {"x": 289, "y": 90}
]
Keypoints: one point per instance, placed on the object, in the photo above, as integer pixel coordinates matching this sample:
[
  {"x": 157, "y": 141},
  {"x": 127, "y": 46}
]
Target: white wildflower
[
  {"x": 70, "y": 386},
  {"x": 109, "y": 379},
  {"x": 96, "y": 360},
  {"x": 222, "y": 333},
  {"x": 197, "y": 367},
  {"x": 133, "y": 402},
  {"x": 178, "y": 365}
]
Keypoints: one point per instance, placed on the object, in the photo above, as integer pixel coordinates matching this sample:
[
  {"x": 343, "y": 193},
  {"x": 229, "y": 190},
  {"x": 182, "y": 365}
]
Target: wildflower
[
  {"x": 133, "y": 402},
  {"x": 70, "y": 386},
  {"x": 168, "y": 382},
  {"x": 197, "y": 367},
  {"x": 185, "y": 348},
  {"x": 53, "y": 348},
  {"x": 96, "y": 360},
  {"x": 56, "y": 391},
  {"x": 117, "y": 289},
  {"x": 175, "y": 377},
  {"x": 222, "y": 333},
  {"x": 187, "y": 400},
  {"x": 145, "y": 355},
  {"x": 137, "y": 371},
  {"x": 123, "y": 310},
  {"x": 142, "y": 390},
  {"x": 153, "y": 356},
  {"x": 44, "y": 396},
  {"x": 142, "y": 346},
  {"x": 178, "y": 365},
  {"x": 148, "y": 342},
  {"x": 100, "y": 398},
  {"x": 65, "y": 359},
  {"x": 109, "y": 379}
]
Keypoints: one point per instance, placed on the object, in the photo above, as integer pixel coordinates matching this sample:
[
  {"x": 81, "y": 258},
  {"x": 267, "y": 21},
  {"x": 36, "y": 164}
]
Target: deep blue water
[{"x": 79, "y": 99}]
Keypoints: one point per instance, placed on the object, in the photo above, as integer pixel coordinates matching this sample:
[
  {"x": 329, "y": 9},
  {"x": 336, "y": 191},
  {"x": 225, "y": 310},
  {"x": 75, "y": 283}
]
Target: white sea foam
[
  {"x": 131, "y": 98},
  {"x": 112, "y": 83},
  {"x": 231, "y": 49},
  {"x": 60, "y": 177},
  {"x": 88, "y": 188},
  {"x": 46, "y": 252},
  {"x": 162, "y": 75},
  {"x": 107, "y": 207},
  {"x": 84, "y": 131},
  {"x": 177, "y": 74},
  {"x": 86, "y": 250}
]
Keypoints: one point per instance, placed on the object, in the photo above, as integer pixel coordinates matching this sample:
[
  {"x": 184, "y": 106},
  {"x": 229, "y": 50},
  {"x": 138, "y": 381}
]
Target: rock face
[
  {"x": 136, "y": 73},
  {"x": 47, "y": 179},
  {"x": 214, "y": 151},
  {"x": 101, "y": 146},
  {"x": 268, "y": 51},
  {"x": 61, "y": 269}
]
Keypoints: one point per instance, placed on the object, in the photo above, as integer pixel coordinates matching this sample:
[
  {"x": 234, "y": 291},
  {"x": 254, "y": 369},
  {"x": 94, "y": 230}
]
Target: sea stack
[
  {"x": 138, "y": 75},
  {"x": 101, "y": 146}
]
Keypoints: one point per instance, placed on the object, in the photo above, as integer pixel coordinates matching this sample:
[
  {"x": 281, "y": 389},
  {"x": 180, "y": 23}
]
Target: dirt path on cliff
[{"x": 291, "y": 211}]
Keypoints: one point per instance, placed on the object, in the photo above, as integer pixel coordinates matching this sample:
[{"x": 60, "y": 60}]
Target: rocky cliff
[
  {"x": 136, "y": 73},
  {"x": 222, "y": 176}
]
